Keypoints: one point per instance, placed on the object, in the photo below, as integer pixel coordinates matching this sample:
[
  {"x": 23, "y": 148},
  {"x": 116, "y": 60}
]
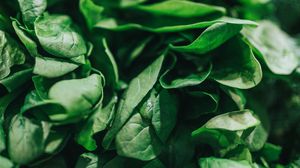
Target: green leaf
[
  {"x": 77, "y": 96},
  {"x": 25, "y": 140},
  {"x": 232, "y": 121},
  {"x": 171, "y": 15},
  {"x": 137, "y": 140},
  {"x": 156, "y": 163},
  {"x": 211, "y": 38},
  {"x": 165, "y": 108},
  {"x": 31, "y": 9},
  {"x": 91, "y": 12},
  {"x": 87, "y": 160},
  {"x": 192, "y": 78},
  {"x": 236, "y": 95},
  {"x": 136, "y": 91},
  {"x": 242, "y": 73},
  {"x": 97, "y": 122},
  {"x": 103, "y": 60},
  {"x": 271, "y": 152},
  {"x": 69, "y": 100},
  {"x": 52, "y": 68},
  {"x": 10, "y": 54},
  {"x": 59, "y": 36},
  {"x": 212, "y": 162},
  {"x": 207, "y": 102},
  {"x": 16, "y": 79},
  {"x": 274, "y": 46},
  {"x": 5, "y": 163}
]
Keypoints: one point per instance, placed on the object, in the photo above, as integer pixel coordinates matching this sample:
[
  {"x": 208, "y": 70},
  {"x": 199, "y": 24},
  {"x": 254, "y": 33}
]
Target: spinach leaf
[
  {"x": 25, "y": 140},
  {"x": 5, "y": 163},
  {"x": 137, "y": 89},
  {"x": 168, "y": 81},
  {"x": 51, "y": 68},
  {"x": 31, "y": 9},
  {"x": 245, "y": 72},
  {"x": 274, "y": 46},
  {"x": 99, "y": 121},
  {"x": 59, "y": 36},
  {"x": 10, "y": 54},
  {"x": 137, "y": 140},
  {"x": 211, "y": 38},
  {"x": 212, "y": 162},
  {"x": 87, "y": 160}
]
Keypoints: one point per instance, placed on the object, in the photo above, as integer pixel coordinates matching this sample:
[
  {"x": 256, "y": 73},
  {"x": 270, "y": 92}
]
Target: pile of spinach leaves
[{"x": 149, "y": 83}]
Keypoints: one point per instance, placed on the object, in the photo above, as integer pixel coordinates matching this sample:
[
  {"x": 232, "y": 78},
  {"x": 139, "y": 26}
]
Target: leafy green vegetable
[{"x": 149, "y": 84}]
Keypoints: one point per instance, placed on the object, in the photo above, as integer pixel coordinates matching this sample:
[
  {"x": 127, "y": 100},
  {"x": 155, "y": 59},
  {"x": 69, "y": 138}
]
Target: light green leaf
[
  {"x": 59, "y": 36},
  {"x": 87, "y": 160},
  {"x": 51, "y": 68},
  {"x": 212, "y": 162},
  {"x": 31, "y": 9},
  {"x": 25, "y": 140},
  {"x": 77, "y": 96},
  {"x": 5, "y": 163},
  {"x": 274, "y": 46}
]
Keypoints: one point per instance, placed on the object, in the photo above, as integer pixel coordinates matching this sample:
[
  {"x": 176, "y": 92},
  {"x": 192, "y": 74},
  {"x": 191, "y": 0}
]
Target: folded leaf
[
  {"x": 274, "y": 46},
  {"x": 243, "y": 73}
]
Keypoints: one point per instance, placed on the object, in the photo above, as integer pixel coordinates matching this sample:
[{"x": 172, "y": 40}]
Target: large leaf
[
  {"x": 25, "y": 140},
  {"x": 243, "y": 73},
  {"x": 59, "y": 36},
  {"x": 10, "y": 54},
  {"x": 137, "y": 89},
  {"x": 274, "y": 46}
]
